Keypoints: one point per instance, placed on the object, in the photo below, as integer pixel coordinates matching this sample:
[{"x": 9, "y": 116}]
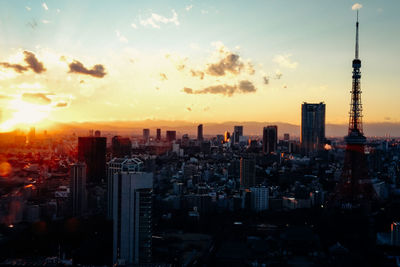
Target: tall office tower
[
  {"x": 146, "y": 135},
  {"x": 227, "y": 136},
  {"x": 121, "y": 147},
  {"x": 92, "y": 151},
  {"x": 237, "y": 133},
  {"x": 247, "y": 172},
  {"x": 97, "y": 133},
  {"x": 158, "y": 135},
  {"x": 270, "y": 139},
  {"x": 286, "y": 136},
  {"x": 200, "y": 133},
  {"x": 132, "y": 220},
  {"x": 312, "y": 127},
  {"x": 355, "y": 188},
  {"x": 171, "y": 136},
  {"x": 395, "y": 234},
  {"x": 118, "y": 165},
  {"x": 259, "y": 198},
  {"x": 78, "y": 188}
]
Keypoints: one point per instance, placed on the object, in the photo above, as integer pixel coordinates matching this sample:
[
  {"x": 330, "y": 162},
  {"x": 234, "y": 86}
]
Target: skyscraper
[
  {"x": 237, "y": 132},
  {"x": 270, "y": 139},
  {"x": 132, "y": 220},
  {"x": 78, "y": 188},
  {"x": 158, "y": 138},
  {"x": 259, "y": 198},
  {"x": 171, "y": 136},
  {"x": 146, "y": 135},
  {"x": 312, "y": 137},
  {"x": 121, "y": 147},
  {"x": 118, "y": 165},
  {"x": 92, "y": 151},
  {"x": 200, "y": 133},
  {"x": 247, "y": 172}
]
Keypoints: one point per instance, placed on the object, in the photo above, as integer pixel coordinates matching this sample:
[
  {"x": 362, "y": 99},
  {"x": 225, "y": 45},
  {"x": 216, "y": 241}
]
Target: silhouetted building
[
  {"x": 92, "y": 151},
  {"x": 395, "y": 234},
  {"x": 200, "y": 133},
  {"x": 97, "y": 133},
  {"x": 146, "y": 135},
  {"x": 237, "y": 133},
  {"x": 78, "y": 188},
  {"x": 270, "y": 139},
  {"x": 121, "y": 147},
  {"x": 286, "y": 136},
  {"x": 158, "y": 138},
  {"x": 171, "y": 136},
  {"x": 132, "y": 218},
  {"x": 247, "y": 172},
  {"x": 312, "y": 127}
]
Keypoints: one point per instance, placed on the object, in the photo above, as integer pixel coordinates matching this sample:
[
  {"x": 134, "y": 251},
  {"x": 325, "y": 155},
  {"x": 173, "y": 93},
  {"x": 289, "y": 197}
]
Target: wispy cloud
[
  {"x": 120, "y": 37},
  {"x": 266, "y": 80},
  {"x": 28, "y": 8},
  {"x": 356, "y": 6},
  {"x": 44, "y": 21},
  {"x": 133, "y": 25},
  {"x": 36, "y": 98},
  {"x": 44, "y": 5},
  {"x": 97, "y": 71},
  {"x": 244, "y": 87},
  {"x": 284, "y": 61},
  {"x": 163, "y": 77},
  {"x": 155, "y": 19},
  {"x": 189, "y": 7}
]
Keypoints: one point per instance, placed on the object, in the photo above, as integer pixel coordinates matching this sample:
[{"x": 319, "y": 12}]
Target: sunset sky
[{"x": 199, "y": 61}]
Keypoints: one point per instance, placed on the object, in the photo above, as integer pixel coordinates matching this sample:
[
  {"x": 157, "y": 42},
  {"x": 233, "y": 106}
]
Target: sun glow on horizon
[{"x": 24, "y": 113}]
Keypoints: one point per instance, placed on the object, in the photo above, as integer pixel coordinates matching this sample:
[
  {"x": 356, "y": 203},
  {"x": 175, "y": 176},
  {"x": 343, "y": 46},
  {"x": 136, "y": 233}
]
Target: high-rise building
[
  {"x": 259, "y": 198},
  {"x": 227, "y": 136},
  {"x": 171, "y": 136},
  {"x": 158, "y": 138},
  {"x": 121, "y": 147},
  {"x": 118, "y": 165},
  {"x": 395, "y": 234},
  {"x": 132, "y": 219},
  {"x": 237, "y": 133},
  {"x": 286, "y": 136},
  {"x": 92, "y": 151},
  {"x": 247, "y": 172},
  {"x": 270, "y": 139},
  {"x": 312, "y": 137},
  {"x": 200, "y": 133},
  {"x": 78, "y": 188},
  {"x": 146, "y": 135},
  {"x": 97, "y": 133}
]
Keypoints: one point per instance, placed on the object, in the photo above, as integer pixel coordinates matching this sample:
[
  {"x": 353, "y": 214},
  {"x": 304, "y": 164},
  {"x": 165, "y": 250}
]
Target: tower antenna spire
[{"x": 357, "y": 36}]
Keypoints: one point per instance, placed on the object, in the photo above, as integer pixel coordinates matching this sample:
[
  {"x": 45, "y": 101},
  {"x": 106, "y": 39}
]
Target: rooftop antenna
[{"x": 357, "y": 36}]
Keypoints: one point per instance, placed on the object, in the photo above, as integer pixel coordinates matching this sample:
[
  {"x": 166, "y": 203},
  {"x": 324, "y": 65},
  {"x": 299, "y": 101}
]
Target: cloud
[
  {"x": 278, "y": 75},
  {"x": 207, "y": 108},
  {"x": 189, "y": 109},
  {"x": 230, "y": 63},
  {"x": 97, "y": 70},
  {"x": 133, "y": 25},
  {"x": 33, "y": 24},
  {"x": 250, "y": 68},
  {"x": 163, "y": 77},
  {"x": 189, "y": 7},
  {"x": 45, "y": 6},
  {"x": 33, "y": 64},
  {"x": 199, "y": 74},
  {"x": 266, "y": 79},
  {"x": 180, "y": 67},
  {"x": 44, "y": 21},
  {"x": 62, "y": 104},
  {"x": 16, "y": 67},
  {"x": 155, "y": 19},
  {"x": 284, "y": 61},
  {"x": 244, "y": 86},
  {"x": 28, "y": 8},
  {"x": 36, "y": 98},
  {"x": 121, "y": 37},
  {"x": 356, "y": 6}
]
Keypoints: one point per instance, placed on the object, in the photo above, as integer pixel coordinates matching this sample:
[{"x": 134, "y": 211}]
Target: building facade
[{"x": 312, "y": 137}]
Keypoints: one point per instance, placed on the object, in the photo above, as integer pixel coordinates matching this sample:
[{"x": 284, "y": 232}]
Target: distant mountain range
[{"x": 250, "y": 128}]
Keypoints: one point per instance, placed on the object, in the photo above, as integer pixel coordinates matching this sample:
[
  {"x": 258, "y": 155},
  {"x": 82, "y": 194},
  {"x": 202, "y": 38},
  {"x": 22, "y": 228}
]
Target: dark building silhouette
[
  {"x": 146, "y": 135},
  {"x": 270, "y": 139},
  {"x": 92, "y": 151},
  {"x": 312, "y": 137},
  {"x": 237, "y": 132},
  {"x": 78, "y": 188},
  {"x": 247, "y": 172},
  {"x": 121, "y": 147},
  {"x": 200, "y": 133},
  {"x": 171, "y": 136},
  {"x": 97, "y": 133},
  {"x": 286, "y": 137},
  {"x": 158, "y": 138}
]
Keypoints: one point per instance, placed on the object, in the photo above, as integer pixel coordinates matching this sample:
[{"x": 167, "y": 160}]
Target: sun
[{"x": 24, "y": 114}]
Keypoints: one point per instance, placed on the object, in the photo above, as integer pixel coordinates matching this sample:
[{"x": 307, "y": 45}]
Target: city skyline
[{"x": 107, "y": 71}]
